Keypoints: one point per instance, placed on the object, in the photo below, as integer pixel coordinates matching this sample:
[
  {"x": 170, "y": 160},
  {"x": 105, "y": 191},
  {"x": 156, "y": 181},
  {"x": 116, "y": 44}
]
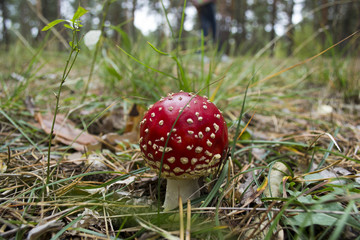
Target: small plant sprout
[
  {"x": 74, "y": 51},
  {"x": 183, "y": 137}
]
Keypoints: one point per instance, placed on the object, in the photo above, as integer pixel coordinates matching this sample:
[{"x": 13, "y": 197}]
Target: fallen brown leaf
[{"x": 67, "y": 133}]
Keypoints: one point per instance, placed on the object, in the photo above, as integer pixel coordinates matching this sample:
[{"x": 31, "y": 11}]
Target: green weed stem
[{"x": 69, "y": 64}]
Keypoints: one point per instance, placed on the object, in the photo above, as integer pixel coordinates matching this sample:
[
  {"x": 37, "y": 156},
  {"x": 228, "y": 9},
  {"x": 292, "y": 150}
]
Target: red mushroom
[{"x": 195, "y": 148}]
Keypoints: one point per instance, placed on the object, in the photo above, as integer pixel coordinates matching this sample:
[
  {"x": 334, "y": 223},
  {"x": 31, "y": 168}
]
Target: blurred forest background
[{"x": 244, "y": 26}]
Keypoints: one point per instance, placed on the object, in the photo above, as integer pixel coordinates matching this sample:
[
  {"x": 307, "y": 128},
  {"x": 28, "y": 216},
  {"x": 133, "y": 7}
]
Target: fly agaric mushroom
[{"x": 193, "y": 147}]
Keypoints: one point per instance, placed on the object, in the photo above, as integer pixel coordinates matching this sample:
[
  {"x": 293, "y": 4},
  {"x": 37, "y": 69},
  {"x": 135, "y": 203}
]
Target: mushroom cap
[{"x": 198, "y": 142}]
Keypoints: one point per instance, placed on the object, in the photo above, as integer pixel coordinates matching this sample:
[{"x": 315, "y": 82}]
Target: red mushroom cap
[{"x": 198, "y": 141}]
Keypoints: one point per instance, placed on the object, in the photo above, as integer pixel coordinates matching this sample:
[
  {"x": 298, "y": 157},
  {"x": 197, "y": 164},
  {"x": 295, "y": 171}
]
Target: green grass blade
[
  {"x": 20, "y": 130},
  {"x": 330, "y": 147},
  {"x": 58, "y": 234},
  {"x": 96, "y": 234},
  {"x": 157, "y": 50},
  {"x": 145, "y": 65},
  {"x": 237, "y": 131},
  {"x": 342, "y": 222}
]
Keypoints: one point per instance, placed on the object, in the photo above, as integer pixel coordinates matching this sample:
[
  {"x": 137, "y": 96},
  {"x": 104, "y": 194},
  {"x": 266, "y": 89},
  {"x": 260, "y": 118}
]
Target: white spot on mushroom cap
[
  {"x": 201, "y": 135},
  {"x": 161, "y": 122},
  {"x": 198, "y": 149},
  {"x": 171, "y": 159},
  {"x": 167, "y": 149},
  {"x": 184, "y": 160},
  {"x": 191, "y": 132},
  {"x": 178, "y": 170},
  {"x": 178, "y": 138},
  {"x": 170, "y": 108},
  {"x": 207, "y": 129},
  {"x": 217, "y": 156},
  {"x": 209, "y": 143},
  {"x": 216, "y": 127},
  {"x": 212, "y": 136},
  {"x": 200, "y": 118},
  {"x": 146, "y": 130},
  {"x": 204, "y": 107},
  {"x": 208, "y": 153},
  {"x": 152, "y": 114},
  {"x": 189, "y": 121}
]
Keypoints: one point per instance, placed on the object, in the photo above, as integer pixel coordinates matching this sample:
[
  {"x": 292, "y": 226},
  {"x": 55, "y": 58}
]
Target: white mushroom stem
[{"x": 184, "y": 188}]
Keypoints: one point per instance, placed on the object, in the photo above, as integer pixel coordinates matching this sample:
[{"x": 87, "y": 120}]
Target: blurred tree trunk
[
  {"x": 47, "y": 11},
  {"x": 239, "y": 9},
  {"x": 24, "y": 20},
  {"x": 324, "y": 17},
  {"x": 224, "y": 25},
  {"x": 132, "y": 25},
  {"x": 50, "y": 9},
  {"x": 290, "y": 33},
  {"x": 349, "y": 24},
  {"x": 273, "y": 21},
  {"x": 5, "y": 33},
  {"x": 117, "y": 16}
]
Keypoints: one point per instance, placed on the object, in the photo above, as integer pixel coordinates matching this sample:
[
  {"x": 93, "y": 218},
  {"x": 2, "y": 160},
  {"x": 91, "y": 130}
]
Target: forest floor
[{"x": 96, "y": 185}]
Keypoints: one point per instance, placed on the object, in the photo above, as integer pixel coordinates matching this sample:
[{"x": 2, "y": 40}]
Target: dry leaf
[
  {"x": 278, "y": 172},
  {"x": 42, "y": 229},
  {"x": 113, "y": 120},
  {"x": 121, "y": 142},
  {"x": 66, "y": 132},
  {"x": 96, "y": 162},
  {"x": 76, "y": 158},
  {"x": 135, "y": 116},
  {"x": 3, "y": 166},
  {"x": 90, "y": 218}
]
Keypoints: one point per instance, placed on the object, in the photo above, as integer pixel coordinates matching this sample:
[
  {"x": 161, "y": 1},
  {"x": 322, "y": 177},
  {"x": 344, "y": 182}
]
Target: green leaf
[
  {"x": 79, "y": 12},
  {"x": 52, "y": 24},
  {"x": 157, "y": 50},
  {"x": 68, "y": 26}
]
